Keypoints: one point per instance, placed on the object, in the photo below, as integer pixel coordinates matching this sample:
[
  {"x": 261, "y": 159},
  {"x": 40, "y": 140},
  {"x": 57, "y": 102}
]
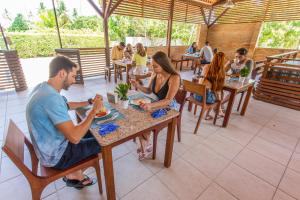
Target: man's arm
[
  {"x": 74, "y": 133},
  {"x": 75, "y": 105}
]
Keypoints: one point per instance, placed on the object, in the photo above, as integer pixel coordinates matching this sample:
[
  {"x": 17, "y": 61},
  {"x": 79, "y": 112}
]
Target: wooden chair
[
  {"x": 198, "y": 89},
  {"x": 108, "y": 72},
  {"x": 180, "y": 98},
  {"x": 38, "y": 176}
]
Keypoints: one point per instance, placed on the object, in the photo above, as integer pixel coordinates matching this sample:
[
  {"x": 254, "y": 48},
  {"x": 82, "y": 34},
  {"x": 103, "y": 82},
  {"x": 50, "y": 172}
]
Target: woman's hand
[
  {"x": 146, "y": 106},
  {"x": 134, "y": 83}
]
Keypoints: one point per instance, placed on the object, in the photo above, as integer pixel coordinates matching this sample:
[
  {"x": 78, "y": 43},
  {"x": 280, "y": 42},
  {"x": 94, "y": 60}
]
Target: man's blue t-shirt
[{"x": 45, "y": 109}]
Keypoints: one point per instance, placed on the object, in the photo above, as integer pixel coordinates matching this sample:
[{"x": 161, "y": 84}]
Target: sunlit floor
[{"x": 257, "y": 157}]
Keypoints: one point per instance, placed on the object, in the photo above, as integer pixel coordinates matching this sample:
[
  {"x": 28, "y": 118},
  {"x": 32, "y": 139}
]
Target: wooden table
[
  {"x": 234, "y": 87},
  {"x": 119, "y": 64},
  {"x": 134, "y": 124},
  {"x": 192, "y": 57}
]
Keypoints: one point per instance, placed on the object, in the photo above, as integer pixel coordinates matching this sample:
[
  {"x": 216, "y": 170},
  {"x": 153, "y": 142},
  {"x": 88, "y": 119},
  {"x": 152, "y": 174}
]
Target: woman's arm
[
  {"x": 174, "y": 83},
  {"x": 143, "y": 89},
  {"x": 228, "y": 65},
  {"x": 204, "y": 74}
]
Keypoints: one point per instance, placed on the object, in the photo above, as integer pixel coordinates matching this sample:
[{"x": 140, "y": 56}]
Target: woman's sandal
[
  {"x": 209, "y": 117},
  {"x": 79, "y": 184}
]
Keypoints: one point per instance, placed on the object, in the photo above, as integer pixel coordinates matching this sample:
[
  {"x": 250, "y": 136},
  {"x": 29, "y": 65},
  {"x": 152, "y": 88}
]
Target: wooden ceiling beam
[
  {"x": 98, "y": 10},
  {"x": 223, "y": 13},
  {"x": 204, "y": 16},
  {"x": 114, "y": 7}
]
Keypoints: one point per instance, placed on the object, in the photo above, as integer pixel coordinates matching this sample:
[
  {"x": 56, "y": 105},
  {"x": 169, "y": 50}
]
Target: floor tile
[
  {"x": 8, "y": 170},
  {"x": 129, "y": 173},
  {"x": 244, "y": 185},
  {"x": 271, "y": 150},
  {"x": 185, "y": 181},
  {"x": 290, "y": 183},
  {"x": 152, "y": 189},
  {"x": 282, "y": 196},
  {"x": 223, "y": 146},
  {"x": 260, "y": 166},
  {"x": 295, "y": 162},
  {"x": 206, "y": 160},
  {"x": 19, "y": 191},
  {"x": 237, "y": 135},
  {"x": 277, "y": 137},
  {"x": 284, "y": 127},
  {"x": 215, "y": 192},
  {"x": 298, "y": 147}
]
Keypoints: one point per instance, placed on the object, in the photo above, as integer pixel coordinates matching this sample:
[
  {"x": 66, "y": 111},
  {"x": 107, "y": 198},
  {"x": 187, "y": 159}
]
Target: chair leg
[
  {"x": 109, "y": 75},
  {"x": 36, "y": 190},
  {"x": 155, "y": 134},
  {"x": 217, "y": 112},
  {"x": 179, "y": 129},
  {"x": 195, "y": 69},
  {"x": 199, "y": 119},
  {"x": 105, "y": 74},
  {"x": 98, "y": 172},
  {"x": 195, "y": 109},
  {"x": 240, "y": 102}
]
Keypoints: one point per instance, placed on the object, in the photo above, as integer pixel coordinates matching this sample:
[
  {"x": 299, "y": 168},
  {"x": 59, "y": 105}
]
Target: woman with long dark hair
[{"x": 164, "y": 84}]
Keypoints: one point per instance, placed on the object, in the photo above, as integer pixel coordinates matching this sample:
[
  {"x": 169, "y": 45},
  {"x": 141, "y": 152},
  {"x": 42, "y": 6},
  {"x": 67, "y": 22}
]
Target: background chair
[
  {"x": 199, "y": 89},
  {"x": 37, "y": 175}
]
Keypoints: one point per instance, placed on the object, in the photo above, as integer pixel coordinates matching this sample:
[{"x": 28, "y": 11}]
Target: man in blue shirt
[{"x": 57, "y": 142}]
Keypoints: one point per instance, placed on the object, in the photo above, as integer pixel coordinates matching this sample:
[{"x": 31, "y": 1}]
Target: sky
[{"x": 25, "y": 6}]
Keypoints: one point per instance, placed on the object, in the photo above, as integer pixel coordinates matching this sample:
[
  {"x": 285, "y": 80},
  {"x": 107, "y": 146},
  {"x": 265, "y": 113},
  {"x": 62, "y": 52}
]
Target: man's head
[
  {"x": 206, "y": 43},
  {"x": 63, "y": 70},
  {"x": 121, "y": 45}
]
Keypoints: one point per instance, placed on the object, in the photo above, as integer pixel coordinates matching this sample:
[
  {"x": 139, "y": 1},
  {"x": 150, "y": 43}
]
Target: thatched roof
[{"x": 192, "y": 11}]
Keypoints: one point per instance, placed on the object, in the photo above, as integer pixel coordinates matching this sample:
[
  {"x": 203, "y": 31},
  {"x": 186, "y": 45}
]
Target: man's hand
[
  {"x": 97, "y": 104},
  {"x": 146, "y": 106}
]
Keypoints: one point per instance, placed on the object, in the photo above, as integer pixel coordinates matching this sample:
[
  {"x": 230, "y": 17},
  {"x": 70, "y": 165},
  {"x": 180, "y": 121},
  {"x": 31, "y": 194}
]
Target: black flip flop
[{"x": 79, "y": 184}]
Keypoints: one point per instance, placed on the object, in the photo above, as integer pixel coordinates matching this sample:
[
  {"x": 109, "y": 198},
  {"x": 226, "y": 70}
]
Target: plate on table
[
  {"x": 139, "y": 101},
  {"x": 102, "y": 114}
]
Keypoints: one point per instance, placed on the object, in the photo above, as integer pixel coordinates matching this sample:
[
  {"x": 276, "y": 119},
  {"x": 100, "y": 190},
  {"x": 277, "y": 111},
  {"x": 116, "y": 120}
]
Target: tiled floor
[{"x": 256, "y": 158}]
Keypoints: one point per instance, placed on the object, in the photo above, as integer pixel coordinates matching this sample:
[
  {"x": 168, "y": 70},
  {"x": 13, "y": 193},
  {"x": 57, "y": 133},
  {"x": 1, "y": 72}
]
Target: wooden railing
[
  {"x": 11, "y": 72},
  {"x": 280, "y": 81}
]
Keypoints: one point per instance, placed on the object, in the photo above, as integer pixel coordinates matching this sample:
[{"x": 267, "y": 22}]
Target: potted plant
[
  {"x": 244, "y": 73},
  {"x": 122, "y": 90}
]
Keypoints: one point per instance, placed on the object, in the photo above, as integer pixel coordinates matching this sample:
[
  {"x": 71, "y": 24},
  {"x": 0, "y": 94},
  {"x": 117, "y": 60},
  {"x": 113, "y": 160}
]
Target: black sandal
[{"x": 79, "y": 184}]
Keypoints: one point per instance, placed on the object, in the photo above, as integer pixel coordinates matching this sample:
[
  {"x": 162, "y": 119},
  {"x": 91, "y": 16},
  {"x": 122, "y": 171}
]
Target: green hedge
[{"x": 42, "y": 45}]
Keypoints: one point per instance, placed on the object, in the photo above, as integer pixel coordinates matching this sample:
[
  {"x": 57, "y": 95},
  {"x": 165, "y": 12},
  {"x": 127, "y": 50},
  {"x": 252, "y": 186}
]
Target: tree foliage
[
  {"x": 19, "y": 24},
  {"x": 280, "y": 35}
]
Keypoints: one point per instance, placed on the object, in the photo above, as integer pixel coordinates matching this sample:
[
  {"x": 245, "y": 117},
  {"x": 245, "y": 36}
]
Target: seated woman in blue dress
[
  {"x": 213, "y": 76},
  {"x": 164, "y": 84},
  {"x": 192, "y": 49}
]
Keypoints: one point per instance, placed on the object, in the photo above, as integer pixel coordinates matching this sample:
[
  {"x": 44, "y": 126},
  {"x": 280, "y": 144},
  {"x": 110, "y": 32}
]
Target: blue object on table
[
  {"x": 159, "y": 113},
  {"x": 107, "y": 128}
]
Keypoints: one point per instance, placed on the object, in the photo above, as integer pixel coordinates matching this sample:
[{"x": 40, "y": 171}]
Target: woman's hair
[
  {"x": 216, "y": 72},
  {"x": 242, "y": 51},
  {"x": 164, "y": 62},
  {"x": 140, "y": 49}
]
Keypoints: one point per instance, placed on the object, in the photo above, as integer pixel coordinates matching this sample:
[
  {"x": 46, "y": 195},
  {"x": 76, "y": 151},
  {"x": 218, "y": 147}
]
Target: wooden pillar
[
  {"x": 4, "y": 38},
  {"x": 106, "y": 41},
  {"x": 170, "y": 24},
  {"x": 56, "y": 22}
]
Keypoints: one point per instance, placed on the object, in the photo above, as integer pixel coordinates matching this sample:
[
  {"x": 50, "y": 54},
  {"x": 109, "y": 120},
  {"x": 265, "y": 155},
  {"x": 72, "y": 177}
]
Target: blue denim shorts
[
  {"x": 75, "y": 153},
  {"x": 210, "y": 97}
]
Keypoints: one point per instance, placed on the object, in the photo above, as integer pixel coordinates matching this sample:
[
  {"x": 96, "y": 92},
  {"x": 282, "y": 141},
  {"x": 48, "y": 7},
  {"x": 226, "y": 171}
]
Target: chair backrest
[
  {"x": 14, "y": 148},
  {"x": 180, "y": 98},
  {"x": 195, "y": 88}
]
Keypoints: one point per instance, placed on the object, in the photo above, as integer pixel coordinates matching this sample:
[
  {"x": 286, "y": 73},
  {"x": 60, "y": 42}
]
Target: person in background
[
  {"x": 215, "y": 51},
  {"x": 139, "y": 59},
  {"x": 164, "y": 84},
  {"x": 234, "y": 67},
  {"x": 117, "y": 52},
  {"x": 206, "y": 54},
  {"x": 57, "y": 141},
  {"x": 128, "y": 51},
  {"x": 192, "y": 49},
  {"x": 213, "y": 76}
]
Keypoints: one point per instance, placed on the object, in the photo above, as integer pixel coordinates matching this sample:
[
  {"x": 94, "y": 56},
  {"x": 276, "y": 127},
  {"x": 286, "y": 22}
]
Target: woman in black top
[{"x": 164, "y": 83}]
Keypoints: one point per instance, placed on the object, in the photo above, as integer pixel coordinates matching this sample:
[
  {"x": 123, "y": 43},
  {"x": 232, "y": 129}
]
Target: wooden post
[
  {"x": 56, "y": 22},
  {"x": 106, "y": 9},
  {"x": 4, "y": 38},
  {"x": 170, "y": 24}
]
